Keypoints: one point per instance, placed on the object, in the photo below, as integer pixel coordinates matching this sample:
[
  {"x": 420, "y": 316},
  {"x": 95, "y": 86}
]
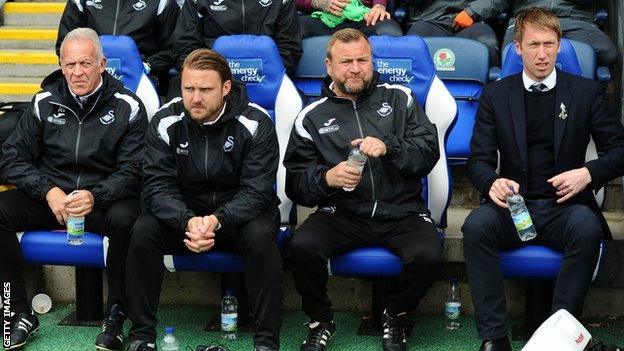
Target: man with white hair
[{"x": 75, "y": 152}]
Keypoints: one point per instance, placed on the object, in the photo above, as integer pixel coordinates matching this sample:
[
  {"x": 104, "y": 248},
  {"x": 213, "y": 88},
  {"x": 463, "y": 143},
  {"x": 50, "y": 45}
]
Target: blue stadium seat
[
  {"x": 311, "y": 69},
  {"x": 254, "y": 60},
  {"x": 405, "y": 60},
  {"x": 463, "y": 65},
  {"x": 533, "y": 262},
  {"x": 575, "y": 57},
  {"x": 123, "y": 62}
]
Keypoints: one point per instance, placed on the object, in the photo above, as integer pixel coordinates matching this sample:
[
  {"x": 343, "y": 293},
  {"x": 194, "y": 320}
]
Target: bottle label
[
  {"x": 452, "y": 309},
  {"x": 522, "y": 220},
  {"x": 229, "y": 322},
  {"x": 75, "y": 226}
]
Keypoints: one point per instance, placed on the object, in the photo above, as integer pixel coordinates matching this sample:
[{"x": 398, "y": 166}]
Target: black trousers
[
  {"x": 479, "y": 31},
  {"x": 311, "y": 27},
  {"x": 573, "y": 228},
  {"x": 584, "y": 31},
  {"x": 254, "y": 240},
  {"x": 325, "y": 235},
  {"x": 19, "y": 212}
]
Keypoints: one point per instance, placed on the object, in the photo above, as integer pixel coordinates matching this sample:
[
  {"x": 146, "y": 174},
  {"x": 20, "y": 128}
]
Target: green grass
[{"x": 429, "y": 333}]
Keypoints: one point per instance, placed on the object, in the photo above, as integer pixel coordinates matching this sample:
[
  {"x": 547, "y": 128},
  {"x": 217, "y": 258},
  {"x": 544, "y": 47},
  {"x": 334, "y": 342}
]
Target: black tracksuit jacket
[
  {"x": 227, "y": 169},
  {"x": 97, "y": 147},
  {"x": 203, "y": 21},
  {"x": 321, "y": 138}
]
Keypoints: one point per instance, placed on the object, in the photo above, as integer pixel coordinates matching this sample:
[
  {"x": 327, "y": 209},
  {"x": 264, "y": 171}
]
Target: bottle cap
[
  {"x": 41, "y": 303},
  {"x": 453, "y": 280},
  {"x": 169, "y": 330}
]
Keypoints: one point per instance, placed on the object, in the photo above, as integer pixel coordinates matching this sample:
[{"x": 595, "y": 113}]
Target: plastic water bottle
[
  {"x": 75, "y": 230},
  {"x": 452, "y": 306},
  {"x": 170, "y": 342},
  {"x": 229, "y": 316},
  {"x": 356, "y": 160},
  {"x": 521, "y": 217}
]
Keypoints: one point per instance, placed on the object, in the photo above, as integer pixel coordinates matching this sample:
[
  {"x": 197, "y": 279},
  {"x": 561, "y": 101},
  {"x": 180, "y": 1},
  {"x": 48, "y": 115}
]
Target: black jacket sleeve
[
  {"x": 608, "y": 134},
  {"x": 416, "y": 152},
  {"x": 257, "y": 178},
  {"x": 124, "y": 182},
  {"x": 160, "y": 182},
  {"x": 20, "y": 154},
  {"x": 483, "y": 158},
  {"x": 305, "y": 172},
  {"x": 188, "y": 33},
  {"x": 481, "y": 10},
  {"x": 162, "y": 60},
  {"x": 288, "y": 35},
  {"x": 74, "y": 16}
]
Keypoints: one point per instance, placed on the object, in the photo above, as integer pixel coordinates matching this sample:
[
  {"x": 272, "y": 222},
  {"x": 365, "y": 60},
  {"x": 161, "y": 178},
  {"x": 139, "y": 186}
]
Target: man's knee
[
  {"x": 303, "y": 246},
  {"x": 388, "y": 27},
  {"x": 427, "y": 257},
  {"x": 584, "y": 227},
  {"x": 144, "y": 234},
  {"x": 122, "y": 215},
  {"x": 259, "y": 240},
  {"x": 479, "y": 226},
  {"x": 482, "y": 33}
]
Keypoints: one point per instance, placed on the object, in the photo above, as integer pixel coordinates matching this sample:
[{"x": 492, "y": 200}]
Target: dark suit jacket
[{"x": 501, "y": 126}]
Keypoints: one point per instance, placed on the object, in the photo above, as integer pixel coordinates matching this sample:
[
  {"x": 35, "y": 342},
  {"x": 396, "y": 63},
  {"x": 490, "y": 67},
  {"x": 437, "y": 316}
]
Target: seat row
[{"x": 445, "y": 80}]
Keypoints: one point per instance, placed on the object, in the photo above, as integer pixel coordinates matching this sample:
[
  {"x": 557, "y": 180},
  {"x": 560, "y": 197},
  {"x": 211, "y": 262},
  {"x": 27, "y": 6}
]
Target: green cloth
[{"x": 354, "y": 11}]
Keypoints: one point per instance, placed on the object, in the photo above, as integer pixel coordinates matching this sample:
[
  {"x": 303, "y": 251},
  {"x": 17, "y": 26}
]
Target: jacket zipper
[
  {"x": 77, "y": 144},
  {"x": 116, "y": 16},
  {"x": 370, "y": 168},
  {"x": 244, "y": 25},
  {"x": 214, "y": 201}
]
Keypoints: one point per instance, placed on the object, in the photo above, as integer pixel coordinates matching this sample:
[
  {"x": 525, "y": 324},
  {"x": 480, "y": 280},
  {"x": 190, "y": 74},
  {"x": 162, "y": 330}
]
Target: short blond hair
[
  {"x": 208, "y": 60},
  {"x": 539, "y": 17}
]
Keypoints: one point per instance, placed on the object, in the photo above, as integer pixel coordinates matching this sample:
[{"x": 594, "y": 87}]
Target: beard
[{"x": 353, "y": 88}]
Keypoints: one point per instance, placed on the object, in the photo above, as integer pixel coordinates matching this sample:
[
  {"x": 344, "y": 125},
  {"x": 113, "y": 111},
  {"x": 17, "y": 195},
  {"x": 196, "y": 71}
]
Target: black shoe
[
  {"x": 319, "y": 334},
  {"x": 112, "y": 338},
  {"x": 501, "y": 344},
  {"x": 600, "y": 346},
  {"x": 393, "y": 334},
  {"x": 142, "y": 345},
  {"x": 23, "y": 325}
]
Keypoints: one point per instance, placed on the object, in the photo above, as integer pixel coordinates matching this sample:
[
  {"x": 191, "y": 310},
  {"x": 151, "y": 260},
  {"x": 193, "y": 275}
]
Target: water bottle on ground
[
  {"x": 452, "y": 306},
  {"x": 170, "y": 342},
  {"x": 356, "y": 160},
  {"x": 75, "y": 230},
  {"x": 229, "y": 316},
  {"x": 521, "y": 217}
]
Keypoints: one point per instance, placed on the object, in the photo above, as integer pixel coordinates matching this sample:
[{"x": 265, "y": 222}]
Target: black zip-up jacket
[
  {"x": 227, "y": 169},
  {"x": 321, "y": 138},
  {"x": 149, "y": 23},
  {"x": 97, "y": 148},
  {"x": 203, "y": 21}
]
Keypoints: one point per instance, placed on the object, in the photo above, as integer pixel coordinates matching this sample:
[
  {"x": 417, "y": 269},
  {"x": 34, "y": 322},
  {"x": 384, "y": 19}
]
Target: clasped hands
[
  {"x": 343, "y": 175},
  {"x": 200, "y": 233}
]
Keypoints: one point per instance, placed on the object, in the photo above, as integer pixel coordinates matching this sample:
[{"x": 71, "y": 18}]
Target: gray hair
[{"x": 84, "y": 34}]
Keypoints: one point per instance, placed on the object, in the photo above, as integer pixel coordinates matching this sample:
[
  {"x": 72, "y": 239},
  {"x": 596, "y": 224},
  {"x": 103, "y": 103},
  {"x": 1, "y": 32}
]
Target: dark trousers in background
[
  {"x": 572, "y": 228},
  {"x": 311, "y": 27},
  {"x": 584, "y": 31},
  {"x": 19, "y": 212},
  {"x": 254, "y": 240},
  {"x": 479, "y": 31},
  {"x": 324, "y": 235}
]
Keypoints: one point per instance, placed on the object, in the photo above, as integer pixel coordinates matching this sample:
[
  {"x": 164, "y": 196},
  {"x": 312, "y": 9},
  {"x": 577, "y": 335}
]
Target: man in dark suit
[{"x": 540, "y": 121}]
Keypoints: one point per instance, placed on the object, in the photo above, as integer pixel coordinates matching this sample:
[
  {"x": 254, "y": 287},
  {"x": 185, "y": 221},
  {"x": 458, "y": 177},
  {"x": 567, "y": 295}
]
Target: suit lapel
[
  {"x": 518, "y": 117},
  {"x": 562, "y": 109}
]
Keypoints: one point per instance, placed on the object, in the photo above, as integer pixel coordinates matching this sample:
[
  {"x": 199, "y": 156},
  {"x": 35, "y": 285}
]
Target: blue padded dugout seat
[
  {"x": 406, "y": 61},
  {"x": 123, "y": 62},
  {"x": 463, "y": 65},
  {"x": 311, "y": 70}
]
